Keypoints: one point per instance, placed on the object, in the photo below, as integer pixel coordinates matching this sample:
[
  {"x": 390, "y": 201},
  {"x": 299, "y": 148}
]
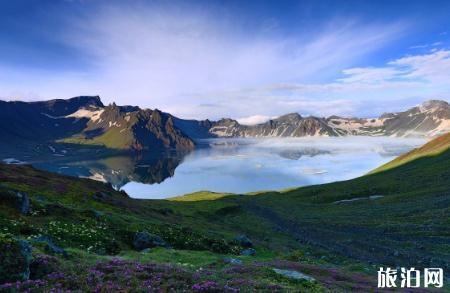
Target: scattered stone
[
  {"x": 233, "y": 261},
  {"x": 143, "y": 240},
  {"x": 50, "y": 246},
  {"x": 248, "y": 252},
  {"x": 243, "y": 241},
  {"x": 294, "y": 275},
  {"x": 372, "y": 197}
]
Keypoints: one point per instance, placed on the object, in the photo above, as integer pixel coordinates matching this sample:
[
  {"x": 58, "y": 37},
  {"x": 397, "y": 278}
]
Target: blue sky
[{"x": 249, "y": 60}]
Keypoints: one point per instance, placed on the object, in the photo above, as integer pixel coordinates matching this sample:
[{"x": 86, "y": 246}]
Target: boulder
[
  {"x": 15, "y": 259},
  {"x": 294, "y": 275},
  {"x": 233, "y": 261},
  {"x": 50, "y": 247},
  {"x": 243, "y": 241},
  {"x": 143, "y": 240},
  {"x": 248, "y": 252}
]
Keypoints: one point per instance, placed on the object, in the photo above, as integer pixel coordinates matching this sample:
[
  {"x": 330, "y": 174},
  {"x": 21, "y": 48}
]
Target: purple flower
[
  {"x": 56, "y": 276},
  {"x": 206, "y": 286}
]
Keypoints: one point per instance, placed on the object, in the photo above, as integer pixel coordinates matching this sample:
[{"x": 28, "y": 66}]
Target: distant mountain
[
  {"x": 41, "y": 121},
  {"x": 290, "y": 125},
  {"x": 432, "y": 118},
  {"x": 85, "y": 120}
]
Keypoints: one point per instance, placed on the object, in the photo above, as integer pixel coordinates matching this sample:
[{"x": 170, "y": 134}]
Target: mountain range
[
  {"x": 432, "y": 118},
  {"x": 85, "y": 120}
]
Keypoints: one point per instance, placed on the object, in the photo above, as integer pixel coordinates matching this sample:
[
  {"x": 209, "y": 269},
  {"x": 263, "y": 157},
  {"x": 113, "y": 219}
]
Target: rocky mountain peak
[
  {"x": 289, "y": 118},
  {"x": 434, "y": 105}
]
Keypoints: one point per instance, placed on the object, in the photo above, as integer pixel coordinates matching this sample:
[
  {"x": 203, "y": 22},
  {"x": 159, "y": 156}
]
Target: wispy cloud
[
  {"x": 424, "y": 46},
  {"x": 366, "y": 91},
  {"x": 176, "y": 61}
]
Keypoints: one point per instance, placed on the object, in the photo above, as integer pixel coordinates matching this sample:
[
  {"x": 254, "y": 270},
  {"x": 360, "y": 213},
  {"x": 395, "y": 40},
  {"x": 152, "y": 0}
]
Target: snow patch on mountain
[{"x": 91, "y": 114}]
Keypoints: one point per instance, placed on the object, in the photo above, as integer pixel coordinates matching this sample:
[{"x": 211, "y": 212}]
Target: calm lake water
[{"x": 241, "y": 165}]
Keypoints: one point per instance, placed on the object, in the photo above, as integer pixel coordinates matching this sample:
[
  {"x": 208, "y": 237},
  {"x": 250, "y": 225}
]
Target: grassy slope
[
  {"x": 408, "y": 226},
  {"x": 433, "y": 147},
  {"x": 200, "y": 195},
  {"x": 112, "y": 139}
]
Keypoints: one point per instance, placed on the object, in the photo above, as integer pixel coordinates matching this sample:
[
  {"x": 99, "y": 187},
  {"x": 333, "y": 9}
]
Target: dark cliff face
[
  {"x": 195, "y": 129},
  {"x": 43, "y": 121},
  {"x": 157, "y": 129}
]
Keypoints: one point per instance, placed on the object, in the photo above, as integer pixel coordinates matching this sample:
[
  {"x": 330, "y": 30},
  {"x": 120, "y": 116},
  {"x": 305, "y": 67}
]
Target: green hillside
[
  {"x": 434, "y": 147},
  {"x": 338, "y": 233}
]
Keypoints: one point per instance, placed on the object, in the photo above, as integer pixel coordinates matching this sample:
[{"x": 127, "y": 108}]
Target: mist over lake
[
  {"x": 235, "y": 165},
  {"x": 248, "y": 165}
]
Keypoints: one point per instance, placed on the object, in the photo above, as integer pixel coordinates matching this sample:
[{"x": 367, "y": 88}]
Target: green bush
[{"x": 185, "y": 238}]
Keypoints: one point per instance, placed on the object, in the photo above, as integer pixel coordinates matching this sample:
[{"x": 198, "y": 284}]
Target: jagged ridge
[{"x": 432, "y": 118}]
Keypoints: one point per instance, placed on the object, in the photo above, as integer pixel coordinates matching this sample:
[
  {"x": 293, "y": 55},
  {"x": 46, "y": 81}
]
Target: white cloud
[
  {"x": 197, "y": 65},
  {"x": 253, "y": 120},
  {"x": 433, "y": 67},
  {"x": 369, "y": 74},
  {"x": 424, "y": 46},
  {"x": 178, "y": 61}
]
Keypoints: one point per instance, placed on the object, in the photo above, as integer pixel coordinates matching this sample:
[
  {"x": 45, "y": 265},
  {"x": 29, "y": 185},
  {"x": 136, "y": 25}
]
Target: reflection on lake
[
  {"x": 119, "y": 170},
  {"x": 241, "y": 165}
]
